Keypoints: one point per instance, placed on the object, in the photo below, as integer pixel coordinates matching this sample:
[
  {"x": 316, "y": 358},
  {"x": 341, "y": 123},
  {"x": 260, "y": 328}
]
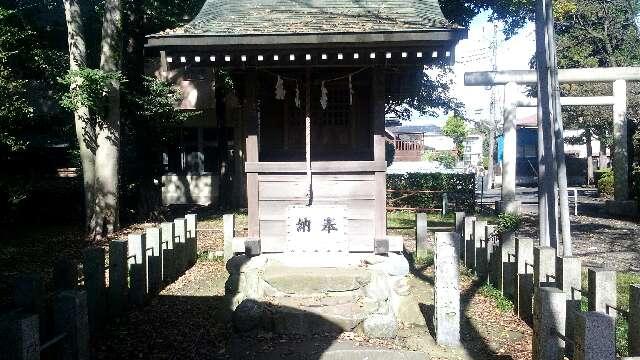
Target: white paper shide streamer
[
  {"x": 350, "y": 91},
  {"x": 324, "y": 100},
  {"x": 297, "y": 100}
]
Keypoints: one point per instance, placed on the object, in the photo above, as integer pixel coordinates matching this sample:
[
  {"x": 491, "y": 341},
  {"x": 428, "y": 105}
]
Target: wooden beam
[
  {"x": 378, "y": 114},
  {"x": 252, "y": 148}
]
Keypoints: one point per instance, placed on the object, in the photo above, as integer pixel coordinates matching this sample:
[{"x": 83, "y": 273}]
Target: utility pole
[
  {"x": 493, "y": 121},
  {"x": 565, "y": 223}
]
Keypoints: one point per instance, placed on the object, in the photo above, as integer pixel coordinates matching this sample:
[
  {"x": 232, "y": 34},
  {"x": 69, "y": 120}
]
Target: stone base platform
[{"x": 311, "y": 295}]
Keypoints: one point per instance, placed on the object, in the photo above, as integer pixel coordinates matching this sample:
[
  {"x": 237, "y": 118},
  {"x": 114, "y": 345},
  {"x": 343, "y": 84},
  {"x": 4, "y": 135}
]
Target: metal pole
[{"x": 559, "y": 135}]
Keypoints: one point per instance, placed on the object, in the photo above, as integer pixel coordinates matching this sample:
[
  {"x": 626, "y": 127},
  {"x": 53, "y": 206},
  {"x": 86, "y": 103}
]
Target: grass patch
[
  {"x": 423, "y": 261},
  {"x": 408, "y": 219},
  {"x": 502, "y": 303}
]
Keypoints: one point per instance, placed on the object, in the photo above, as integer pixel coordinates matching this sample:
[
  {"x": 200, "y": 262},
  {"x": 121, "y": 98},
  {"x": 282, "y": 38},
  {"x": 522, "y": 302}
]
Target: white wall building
[{"x": 473, "y": 150}]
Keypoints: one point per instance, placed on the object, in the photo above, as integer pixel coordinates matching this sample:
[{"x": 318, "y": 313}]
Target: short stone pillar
[
  {"x": 544, "y": 266},
  {"x": 28, "y": 295},
  {"x": 594, "y": 336},
  {"x": 65, "y": 274},
  {"x": 446, "y": 290},
  {"x": 180, "y": 244},
  {"x": 602, "y": 291},
  {"x": 169, "y": 271},
  {"x": 524, "y": 259},
  {"x": 465, "y": 237},
  {"x": 569, "y": 280},
  {"x": 95, "y": 286},
  {"x": 493, "y": 258},
  {"x": 479, "y": 239},
  {"x": 192, "y": 239},
  {"x": 70, "y": 317},
  {"x": 229, "y": 222},
  {"x": 137, "y": 260},
  {"x": 469, "y": 244},
  {"x": 20, "y": 337},
  {"x": 118, "y": 276},
  {"x": 421, "y": 236},
  {"x": 548, "y": 320},
  {"x": 634, "y": 320},
  {"x": 459, "y": 224},
  {"x": 154, "y": 259},
  {"x": 508, "y": 265}
]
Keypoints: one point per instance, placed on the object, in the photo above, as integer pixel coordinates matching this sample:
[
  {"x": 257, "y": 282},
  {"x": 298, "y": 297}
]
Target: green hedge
[{"x": 460, "y": 190}]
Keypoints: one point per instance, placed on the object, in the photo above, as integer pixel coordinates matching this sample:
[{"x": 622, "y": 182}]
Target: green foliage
[
  {"x": 425, "y": 261},
  {"x": 502, "y": 303},
  {"x": 605, "y": 182},
  {"x": 508, "y": 222},
  {"x": 88, "y": 88},
  {"x": 445, "y": 158},
  {"x": 389, "y": 153},
  {"x": 460, "y": 190},
  {"x": 456, "y": 129}
]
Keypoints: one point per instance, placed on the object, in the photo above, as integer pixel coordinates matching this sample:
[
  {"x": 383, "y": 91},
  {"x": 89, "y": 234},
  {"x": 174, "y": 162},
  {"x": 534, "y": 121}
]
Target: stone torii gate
[{"x": 511, "y": 79}]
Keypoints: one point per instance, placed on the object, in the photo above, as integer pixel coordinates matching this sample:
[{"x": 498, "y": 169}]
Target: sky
[{"x": 474, "y": 54}]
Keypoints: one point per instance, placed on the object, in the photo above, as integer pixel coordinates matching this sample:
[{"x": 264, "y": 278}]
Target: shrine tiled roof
[{"x": 262, "y": 17}]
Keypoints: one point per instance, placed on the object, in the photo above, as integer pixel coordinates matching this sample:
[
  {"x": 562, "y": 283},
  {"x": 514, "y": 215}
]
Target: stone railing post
[
  {"x": 421, "y": 235},
  {"x": 569, "y": 280},
  {"x": 446, "y": 290},
  {"x": 137, "y": 260},
  {"x": 634, "y": 320},
  {"x": 65, "y": 275},
  {"x": 154, "y": 259},
  {"x": 20, "y": 336},
  {"x": 594, "y": 336},
  {"x": 229, "y": 222},
  {"x": 469, "y": 244},
  {"x": 169, "y": 271},
  {"x": 28, "y": 295},
  {"x": 602, "y": 291},
  {"x": 180, "y": 244},
  {"x": 548, "y": 320},
  {"x": 508, "y": 265},
  {"x": 95, "y": 286},
  {"x": 70, "y": 318},
  {"x": 524, "y": 278},
  {"x": 459, "y": 228},
  {"x": 479, "y": 239},
  {"x": 118, "y": 276},
  {"x": 544, "y": 266},
  {"x": 192, "y": 239}
]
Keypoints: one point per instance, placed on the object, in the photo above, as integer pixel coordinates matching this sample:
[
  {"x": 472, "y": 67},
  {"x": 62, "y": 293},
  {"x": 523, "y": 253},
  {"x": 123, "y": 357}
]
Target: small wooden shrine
[{"x": 312, "y": 79}]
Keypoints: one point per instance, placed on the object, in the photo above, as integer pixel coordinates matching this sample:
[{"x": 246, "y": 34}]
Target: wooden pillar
[
  {"x": 251, "y": 120},
  {"x": 378, "y": 114}
]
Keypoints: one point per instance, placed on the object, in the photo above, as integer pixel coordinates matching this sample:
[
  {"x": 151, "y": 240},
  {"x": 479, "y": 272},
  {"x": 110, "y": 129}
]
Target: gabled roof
[
  {"x": 227, "y": 17},
  {"x": 227, "y": 22}
]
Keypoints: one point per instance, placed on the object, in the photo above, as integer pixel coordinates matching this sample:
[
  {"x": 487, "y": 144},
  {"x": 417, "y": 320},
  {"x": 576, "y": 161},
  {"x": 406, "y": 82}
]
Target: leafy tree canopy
[{"x": 456, "y": 129}]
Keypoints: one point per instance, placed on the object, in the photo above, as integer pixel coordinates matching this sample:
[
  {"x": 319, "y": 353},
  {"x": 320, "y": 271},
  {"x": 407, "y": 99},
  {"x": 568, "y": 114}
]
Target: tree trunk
[
  {"x": 85, "y": 129},
  {"x": 108, "y": 128},
  {"x": 589, "y": 158}
]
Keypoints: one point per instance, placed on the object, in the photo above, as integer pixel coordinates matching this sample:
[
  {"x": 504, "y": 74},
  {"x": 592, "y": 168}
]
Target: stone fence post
[
  {"x": 508, "y": 268},
  {"x": 594, "y": 336},
  {"x": 229, "y": 222},
  {"x": 154, "y": 258},
  {"x": 70, "y": 318},
  {"x": 544, "y": 266},
  {"x": 548, "y": 320},
  {"x": 20, "y": 336},
  {"x": 169, "y": 271},
  {"x": 118, "y": 276},
  {"x": 65, "y": 275},
  {"x": 446, "y": 290},
  {"x": 480, "y": 245},
  {"x": 180, "y": 245},
  {"x": 602, "y": 291},
  {"x": 421, "y": 235},
  {"x": 569, "y": 280},
  {"x": 469, "y": 244},
  {"x": 465, "y": 237},
  {"x": 137, "y": 260},
  {"x": 192, "y": 238},
  {"x": 524, "y": 278},
  {"x": 94, "y": 285},
  {"x": 28, "y": 295},
  {"x": 634, "y": 320}
]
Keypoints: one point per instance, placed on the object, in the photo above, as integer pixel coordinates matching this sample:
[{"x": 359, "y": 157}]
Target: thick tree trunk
[
  {"x": 85, "y": 129},
  {"x": 108, "y": 128},
  {"x": 589, "y": 158}
]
